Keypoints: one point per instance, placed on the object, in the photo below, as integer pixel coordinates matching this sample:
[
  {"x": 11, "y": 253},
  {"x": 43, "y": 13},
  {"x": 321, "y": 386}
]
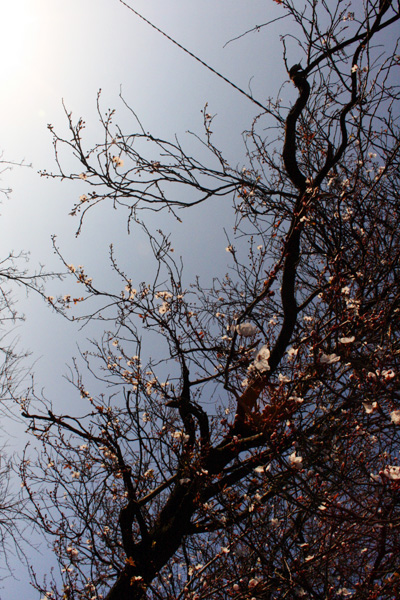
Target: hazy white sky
[{"x": 52, "y": 50}]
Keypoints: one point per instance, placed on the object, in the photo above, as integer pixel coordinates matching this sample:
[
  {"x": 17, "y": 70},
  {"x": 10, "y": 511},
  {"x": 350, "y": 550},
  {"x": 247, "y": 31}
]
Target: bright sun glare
[{"x": 16, "y": 19}]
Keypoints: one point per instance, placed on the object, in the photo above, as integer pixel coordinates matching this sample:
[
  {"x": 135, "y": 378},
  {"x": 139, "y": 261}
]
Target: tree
[
  {"x": 13, "y": 371},
  {"x": 249, "y": 446}
]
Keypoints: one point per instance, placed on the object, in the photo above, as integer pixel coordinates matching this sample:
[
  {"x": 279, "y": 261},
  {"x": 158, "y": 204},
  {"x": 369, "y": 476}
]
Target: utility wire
[{"x": 237, "y": 88}]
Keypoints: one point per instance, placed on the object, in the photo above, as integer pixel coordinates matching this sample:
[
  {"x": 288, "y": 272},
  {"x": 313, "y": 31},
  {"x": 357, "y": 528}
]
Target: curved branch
[{"x": 298, "y": 77}]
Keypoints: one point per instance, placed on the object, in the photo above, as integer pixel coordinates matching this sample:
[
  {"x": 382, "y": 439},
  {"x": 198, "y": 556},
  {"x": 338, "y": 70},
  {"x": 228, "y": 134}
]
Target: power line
[{"x": 237, "y": 88}]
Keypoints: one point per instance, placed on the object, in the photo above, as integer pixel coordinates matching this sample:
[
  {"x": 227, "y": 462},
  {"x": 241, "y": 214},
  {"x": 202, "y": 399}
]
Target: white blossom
[
  {"x": 179, "y": 435},
  {"x": 329, "y": 359},
  {"x": 370, "y": 407},
  {"x": 246, "y": 329},
  {"x": 296, "y": 399},
  {"x": 262, "y": 468},
  {"x": 392, "y": 472},
  {"x": 395, "y": 417},
  {"x": 354, "y": 304},
  {"x": 296, "y": 461},
  {"x": 344, "y": 592},
  {"x": 283, "y": 378},
  {"x": 261, "y": 360},
  {"x": 347, "y": 340},
  {"x": 164, "y": 308},
  {"x": 388, "y": 374},
  {"x": 164, "y": 295}
]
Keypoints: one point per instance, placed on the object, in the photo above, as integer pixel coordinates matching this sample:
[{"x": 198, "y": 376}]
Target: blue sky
[
  {"x": 70, "y": 50},
  {"x": 53, "y": 50}
]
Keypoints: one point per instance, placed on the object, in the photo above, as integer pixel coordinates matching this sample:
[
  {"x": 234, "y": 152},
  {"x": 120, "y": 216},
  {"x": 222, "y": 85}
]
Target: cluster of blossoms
[
  {"x": 386, "y": 374},
  {"x": 80, "y": 274},
  {"x": 72, "y": 551},
  {"x": 118, "y": 162},
  {"x": 179, "y": 435},
  {"x": 67, "y": 300},
  {"x": 292, "y": 353},
  {"x": 391, "y": 472},
  {"x": 165, "y": 306},
  {"x": 261, "y": 360},
  {"x": 131, "y": 291}
]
